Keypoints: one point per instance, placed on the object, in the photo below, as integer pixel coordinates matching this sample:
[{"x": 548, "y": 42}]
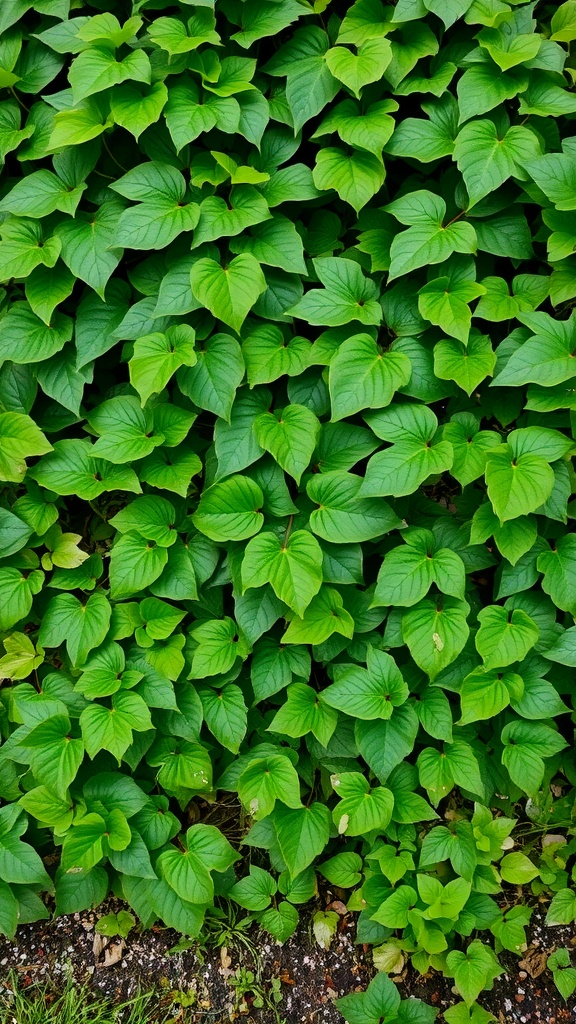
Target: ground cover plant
[{"x": 288, "y": 575}]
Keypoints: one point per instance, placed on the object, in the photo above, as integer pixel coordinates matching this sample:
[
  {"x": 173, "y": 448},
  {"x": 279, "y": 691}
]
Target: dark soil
[{"x": 309, "y": 978}]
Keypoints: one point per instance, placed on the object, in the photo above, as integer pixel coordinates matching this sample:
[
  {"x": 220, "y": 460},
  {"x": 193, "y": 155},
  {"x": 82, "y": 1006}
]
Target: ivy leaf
[
  {"x": 305, "y": 711},
  {"x": 135, "y": 107},
  {"x": 504, "y": 636},
  {"x": 228, "y": 292},
  {"x": 427, "y": 240},
  {"x": 347, "y": 295},
  {"x": 487, "y": 158},
  {"x": 445, "y": 304},
  {"x": 293, "y": 567},
  {"x": 302, "y": 834},
  {"x": 436, "y": 631},
  {"x": 19, "y": 439},
  {"x": 157, "y": 356},
  {"x": 267, "y": 356},
  {"x": 361, "y": 809},
  {"x": 229, "y": 510},
  {"x": 134, "y": 564},
  {"x": 82, "y": 626},
  {"x": 369, "y": 129},
  {"x": 356, "y": 177},
  {"x": 557, "y": 564},
  {"x": 97, "y": 69},
  {"x": 27, "y": 339},
  {"x": 485, "y": 694},
  {"x": 517, "y": 485},
  {"x": 342, "y": 516},
  {"x": 189, "y": 871},
  {"x": 290, "y": 437},
  {"x": 545, "y": 358},
  {"x": 268, "y": 779},
  {"x": 467, "y": 365},
  {"x": 526, "y": 744},
  {"x": 215, "y": 374},
  {"x": 376, "y": 375},
  {"x": 324, "y": 616},
  {"x": 370, "y": 693},
  {"x": 112, "y": 728},
  {"x": 408, "y": 571},
  {"x": 90, "y": 246},
  {"x": 225, "y": 715},
  {"x": 55, "y": 756},
  {"x": 274, "y": 242}
]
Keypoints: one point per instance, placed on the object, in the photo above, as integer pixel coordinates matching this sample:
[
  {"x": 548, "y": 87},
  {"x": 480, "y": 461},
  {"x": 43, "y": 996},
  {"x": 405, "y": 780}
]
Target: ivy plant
[{"x": 287, "y": 561}]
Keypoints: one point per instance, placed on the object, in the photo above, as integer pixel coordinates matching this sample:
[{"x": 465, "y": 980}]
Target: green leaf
[
  {"x": 266, "y": 780},
  {"x": 27, "y": 339},
  {"x": 358, "y": 70},
  {"x": 401, "y": 468},
  {"x": 473, "y": 970},
  {"x": 557, "y": 565},
  {"x": 504, "y": 636},
  {"x": 467, "y": 365},
  {"x": 124, "y": 430},
  {"x": 343, "y": 517},
  {"x": 275, "y": 243},
  {"x": 518, "y": 869},
  {"x": 292, "y": 566},
  {"x": 408, "y": 572},
  {"x": 55, "y": 756},
  {"x": 302, "y": 834},
  {"x": 324, "y": 616},
  {"x": 356, "y": 177},
  {"x": 427, "y": 240},
  {"x": 347, "y": 295},
  {"x": 255, "y": 890},
  {"x": 368, "y": 693},
  {"x": 526, "y": 744},
  {"x": 110, "y": 729},
  {"x": 157, "y": 356},
  {"x": 229, "y": 510},
  {"x": 484, "y": 694},
  {"x": 188, "y": 871},
  {"x": 563, "y": 23},
  {"x": 82, "y": 626},
  {"x": 376, "y": 375},
  {"x": 361, "y": 809},
  {"x": 225, "y": 715},
  {"x": 218, "y": 647},
  {"x": 17, "y": 592},
  {"x": 136, "y": 107},
  {"x": 228, "y": 292},
  {"x": 267, "y": 356},
  {"x": 368, "y": 129},
  {"x": 71, "y": 468},
  {"x": 90, "y": 245},
  {"x": 381, "y": 1000},
  {"x": 134, "y": 564},
  {"x": 151, "y": 516},
  {"x": 215, "y": 374},
  {"x": 445, "y": 303},
  {"x": 562, "y": 909},
  {"x": 517, "y": 485},
  {"x": 436, "y": 631},
  {"x": 487, "y": 158},
  {"x": 281, "y": 922},
  {"x": 290, "y": 437},
  {"x": 305, "y": 711}
]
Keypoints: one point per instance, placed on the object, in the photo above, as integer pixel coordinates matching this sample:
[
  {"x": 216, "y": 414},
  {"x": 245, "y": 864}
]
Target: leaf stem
[{"x": 288, "y": 532}]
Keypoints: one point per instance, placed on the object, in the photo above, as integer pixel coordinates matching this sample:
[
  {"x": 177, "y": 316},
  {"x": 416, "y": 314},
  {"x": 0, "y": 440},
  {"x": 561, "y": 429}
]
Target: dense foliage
[{"x": 287, "y": 393}]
